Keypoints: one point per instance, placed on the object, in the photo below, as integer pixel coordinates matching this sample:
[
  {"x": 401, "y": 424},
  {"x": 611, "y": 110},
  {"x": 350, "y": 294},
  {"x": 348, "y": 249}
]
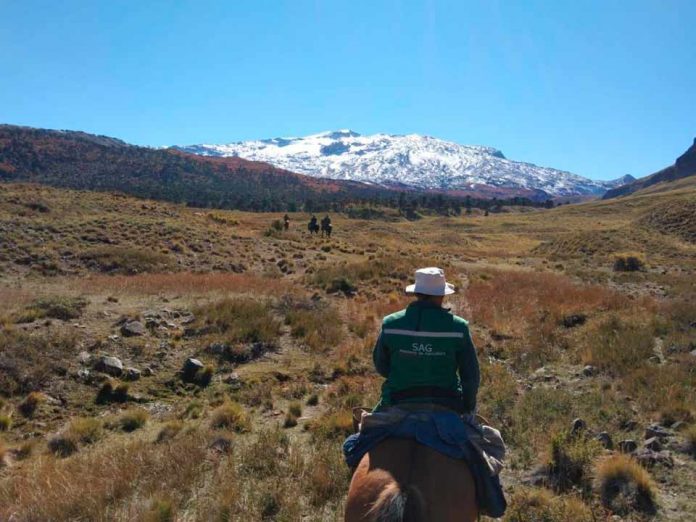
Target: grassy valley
[{"x": 160, "y": 362}]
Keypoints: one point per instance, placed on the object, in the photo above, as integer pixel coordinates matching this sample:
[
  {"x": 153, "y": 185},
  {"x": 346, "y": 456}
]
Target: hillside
[
  {"x": 415, "y": 161},
  {"x": 83, "y": 161},
  {"x": 104, "y": 298},
  {"x": 684, "y": 167}
]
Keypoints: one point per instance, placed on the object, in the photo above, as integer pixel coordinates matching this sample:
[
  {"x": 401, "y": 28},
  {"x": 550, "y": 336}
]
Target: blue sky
[{"x": 600, "y": 88}]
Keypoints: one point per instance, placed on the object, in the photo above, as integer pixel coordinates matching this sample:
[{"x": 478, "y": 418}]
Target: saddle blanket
[{"x": 445, "y": 432}]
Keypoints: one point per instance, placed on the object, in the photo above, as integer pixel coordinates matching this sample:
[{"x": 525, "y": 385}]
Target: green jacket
[{"x": 427, "y": 355}]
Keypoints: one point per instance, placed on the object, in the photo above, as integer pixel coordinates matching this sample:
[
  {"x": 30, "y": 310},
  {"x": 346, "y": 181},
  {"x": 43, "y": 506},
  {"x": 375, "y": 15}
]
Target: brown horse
[{"x": 403, "y": 481}]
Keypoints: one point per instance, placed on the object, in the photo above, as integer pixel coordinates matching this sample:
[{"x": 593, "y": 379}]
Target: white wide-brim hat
[{"x": 430, "y": 281}]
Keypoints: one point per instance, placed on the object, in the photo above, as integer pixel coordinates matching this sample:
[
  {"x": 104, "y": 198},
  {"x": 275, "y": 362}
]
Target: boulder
[
  {"x": 111, "y": 365},
  {"x": 131, "y": 374},
  {"x": 589, "y": 371},
  {"x": 629, "y": 425},
  {"x": 578, "y": 426},
  {"x": 84, "y": 357},
  {"x": 649, "y": 458},
  {"x": 191, "y": 368},
  {"x": 133, "y": 329},
  {"x": 653, "y": 443},
  {"x": 656, "y": 430},
  {"x": 571, "y": 321},
  {"x": 628, "y": 446},
  {"x": 605, "y": 440}
]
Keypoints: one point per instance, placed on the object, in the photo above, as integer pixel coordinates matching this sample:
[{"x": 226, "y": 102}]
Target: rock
[
  {"x": 111, "y": 365},
  {"x": 653, "y": 443},
  {"x": 629, "y": 425},
  {"x": 84, "y": 374},
  {"x": 655, "y": 430},
  {"x": 131, "y": 374},
  {"x": 605, "y": 440},
  {"x": 577, "y": 427},
  {"x": 148, "y": 372},
  {"x": 232, "y": 378},
  {"x": 218, "y": 348},
  {"x": 628, "y": 446},
  {"x": 679, "y": 425},
  {"x": 191, "y": 368},
  {"x": 114, "y": 337},
  {"x": 589, "y": 371},
  {"x": 649, "y": 458},
  {"x": 133, "y": 329},
  {"x": 571, "y": 321},
  {"x": 84, "y": 357}
]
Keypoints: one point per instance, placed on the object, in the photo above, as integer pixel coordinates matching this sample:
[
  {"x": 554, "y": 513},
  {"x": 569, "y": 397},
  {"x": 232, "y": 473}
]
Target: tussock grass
[
  {"x": 231, "y": 415},
  {"x": 54, "y": 307},
  {"x": 629, "y": 262},
  {"x": 540, "y": 505},
  {"x": 130, "y": 420},
  {"x": 239, "y": 320},
  {"x": 85, "y": 430},
  {"x": 170, "y": 430},
  {"x": 571, "y": 459},
  {"x": 31, "y": 403},
  {"x": 332, "y": 426},
  {"x": 5, "y": 421},
  {"x": 624, "y": 486},
  {"x": 320, "y": 328}
]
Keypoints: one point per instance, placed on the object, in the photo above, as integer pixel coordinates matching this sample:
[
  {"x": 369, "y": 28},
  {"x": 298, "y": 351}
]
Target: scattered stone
[
  {"x": 605, "y": 440},
  {"x": 628, "y": 446},
  {"x": 649, "y": 458},
  {"x": 571, "y": 321},
  {"x": 114, "y": 337},
  {"x": 232, "y": 378},
  {"x": 653, "y": 443},
  {"x": 133, "y": 329},
  {"x": 655, "y": 430},
  {"x": 84, "y": 357},
  {"x": 131, "y": 374},
  {"x": 589, "y": 371},
  {"x": 577, "y": 427},
  {"x": 84, "y": 374},
  {"x": 111, "y": 365}
]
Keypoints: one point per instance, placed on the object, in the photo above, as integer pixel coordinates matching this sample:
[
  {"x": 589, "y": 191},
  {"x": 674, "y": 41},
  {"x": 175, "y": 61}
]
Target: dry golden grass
[
  {"x": 232, "y": 416},
  {"x": 540, "y": 505},
  {"x": 624, "y": 486}
]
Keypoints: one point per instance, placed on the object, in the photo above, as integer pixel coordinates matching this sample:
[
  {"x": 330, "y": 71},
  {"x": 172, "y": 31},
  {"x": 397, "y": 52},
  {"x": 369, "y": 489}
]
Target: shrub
[
  {"x": 332, "y": 426},
  {"x": 62, "y": 444},
  {"x": 193, "y": 410},
  {"x": 295, "y": 409},
  {"x": 130, "y": 420},
  {"x": 624, "y": 486},
  {"x": 313, "y": 400},
  {"x": 169, "y": 431},
  {"x": 112, "y": 391},
  {"x": 124, "y": 260},
  {"x": 85, "y": 430},
  {"x": 5, "y": 422},
  {"x": 539, "y": 505},
  {"x": 629, "y": 262},
  {"x": 231, "y": 415},
  {"x": 290, "y": 421},
  {"x": 25, "y": 450},
  {"x": 571, "y": 460},
  {"x": 63, "y": 308},
  {"x": 618, "y": 346},
  {"x": 30, "y": 404},
  {"x": 239, "y": 320}
]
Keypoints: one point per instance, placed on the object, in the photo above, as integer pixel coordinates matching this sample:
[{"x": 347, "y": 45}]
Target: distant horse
[
  {"x": 402, "y": 480},
  {"x": 326, "y": 228},
  {"x": 313, "y": 228}
]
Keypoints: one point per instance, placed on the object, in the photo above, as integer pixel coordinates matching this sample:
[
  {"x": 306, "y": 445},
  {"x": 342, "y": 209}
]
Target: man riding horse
[
  {"x": 326, "y": 226},
  {"x": 412, "y": 456},
  {"x": 312, "y": 226}
]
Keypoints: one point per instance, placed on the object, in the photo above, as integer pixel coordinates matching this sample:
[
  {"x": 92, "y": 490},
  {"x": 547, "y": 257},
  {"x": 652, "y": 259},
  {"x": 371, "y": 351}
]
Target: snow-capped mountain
[{"x": 413, "y": 160}]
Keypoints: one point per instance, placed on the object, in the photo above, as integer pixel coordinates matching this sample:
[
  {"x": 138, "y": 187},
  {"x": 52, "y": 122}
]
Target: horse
[
  {"x": 313, "y": 228},
  {"x": 326, "y": 228},
  {"x": 400, "y": 480}
]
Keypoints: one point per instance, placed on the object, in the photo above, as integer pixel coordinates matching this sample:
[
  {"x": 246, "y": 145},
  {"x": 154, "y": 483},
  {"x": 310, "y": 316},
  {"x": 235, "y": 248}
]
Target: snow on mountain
[{"x": 413, "y": 160}]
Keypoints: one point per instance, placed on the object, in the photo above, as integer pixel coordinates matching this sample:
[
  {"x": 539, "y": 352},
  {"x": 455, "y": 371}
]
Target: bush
[
  {"x": 571, "y": 460},
  {"x": 62, "y": 444},
  {"x": 239, "y": 320},
  {"x": 63, "y": 308},
  {"x": 539, "y": 505},
  {"x": 624, "y": 486},
  {"x": 313, "y": 400},
  {"x": 231, "y": 415},
  {"x": 5, "y": 422},
  {"x": 332, "y": 426},
  {"x": 629, "y": 262},
  {"x": 112, "y": 391},
  {"x": 85, "y": 430},
  {"x": 130, "y": 420},
  {"x": 30, "y": 404},
  {"x": 169, "y": 431}
]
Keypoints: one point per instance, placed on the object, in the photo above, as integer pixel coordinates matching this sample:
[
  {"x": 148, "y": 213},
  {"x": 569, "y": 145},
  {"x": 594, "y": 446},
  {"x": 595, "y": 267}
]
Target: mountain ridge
[{"x": 412, "y": 160}]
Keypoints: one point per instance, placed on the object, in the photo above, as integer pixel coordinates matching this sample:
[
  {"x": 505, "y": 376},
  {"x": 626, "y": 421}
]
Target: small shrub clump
[
  {"x": 85, "y": 430},
  {"x": 130, "y": 420},
  {"x": 231, "y": 415},
  {"x": 5, "y": 422},
  {"x": 629, "y": 262},
  {"x": 624, "y": 486},
  {"x": 30, "y": 404},
  {"x": 63, "y": 308},
  {"x": 169, "y": 431},
  {"x": 63, "y": 444}
]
